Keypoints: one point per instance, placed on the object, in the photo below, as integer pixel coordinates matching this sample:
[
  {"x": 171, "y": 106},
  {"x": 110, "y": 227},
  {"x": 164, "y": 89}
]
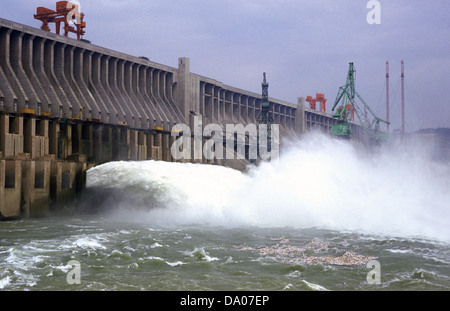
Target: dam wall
[{"x": 68, "y": 105}]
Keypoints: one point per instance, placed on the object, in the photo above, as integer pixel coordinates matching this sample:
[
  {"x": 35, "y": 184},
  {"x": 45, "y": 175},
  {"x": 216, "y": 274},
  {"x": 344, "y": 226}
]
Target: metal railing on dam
[{"x": 68, "y": 105}]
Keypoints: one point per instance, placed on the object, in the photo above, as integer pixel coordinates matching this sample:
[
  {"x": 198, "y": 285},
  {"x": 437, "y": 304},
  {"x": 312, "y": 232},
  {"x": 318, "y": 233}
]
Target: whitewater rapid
[{"x": 317, "y": 182}]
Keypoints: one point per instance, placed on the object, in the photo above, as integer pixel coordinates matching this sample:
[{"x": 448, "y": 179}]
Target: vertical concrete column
[
  {"x": 53, "y": 135},
  {"x": 29, "y": 132},
  {"x": 244, "y": 109},
  {"x": 64, "y": 108},
  {"x": 2, "y": 98},
  {"x": 166, "y": 153},
  {"x": 11, "y": 139},
  {"x": 133, "y": 145},
  {"x": 121, "y": 143},
  {"x": 107, "y": 138},
  {"x": 5, "y": 63},
  {"x": 188, "y": 97},
  {"x": 27, "y": 61},
  {"x": 134, "y": 115},
  {"x": 88, "y": 70},
  {"x": 96, "y": 74},
  {"x": 8, "y": 99},
  {"x": 16, "y": 64},
  {"x": 143, "y": 91},
  {"x": 166, "y": 83},
  {"x": 237, "y": 109},
  {"x": 74, "y": 85},
  {"x": 215, "y": 105},
  {"x": 221, "y": 104},
  {"x": 251, "y": 113},
  {"x": 62, "y": 191},
  {"x": 172, "y": 139},
  {"x": 157, "y": 148},
  {"x": 300, "y": 126},
  {"x": 40, "y": 140},
  {"x": 3, "y": 131},
  {"x": 35, "y": 188},
  {"x": 97, "y": 144},
  {"x": 103, "y": 144},
  {"x": 67, "y": 146},
  {"x": 142, "y": 146},
  {"x": 150, "y": 145},
  {"x": 52, "y": 104},
  {"x": 132, "y": 86},
  {"x": 113, "y": 81},
  {"x": 156, "y": 93},
  {"x": 152, "y": 91},
  {"x": 202, "y": 98},
  {"x": 10, "y": 188},
  {"x": 92, "y": 109},
  {"x": 114, "y": 102},
  {"x": 86, "y": 142},
  {"x": 74, "y": 105}
]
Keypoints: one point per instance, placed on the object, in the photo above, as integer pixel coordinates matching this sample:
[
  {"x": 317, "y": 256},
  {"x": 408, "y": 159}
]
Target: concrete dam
[{"x": 68, "y": 105}]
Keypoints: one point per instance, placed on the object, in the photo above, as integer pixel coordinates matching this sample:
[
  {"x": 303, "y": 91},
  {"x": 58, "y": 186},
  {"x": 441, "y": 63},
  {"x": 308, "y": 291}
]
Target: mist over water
[{"x": 317, "y": 182}]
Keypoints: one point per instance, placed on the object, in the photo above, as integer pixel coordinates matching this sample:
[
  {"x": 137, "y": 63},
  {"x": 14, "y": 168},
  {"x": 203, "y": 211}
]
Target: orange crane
[
  {"x": 351, "y": 109},
  {"x": 321, "y": 98},
  {"x": 312, "y": 102},
  {"x": 65, "y": 12}
]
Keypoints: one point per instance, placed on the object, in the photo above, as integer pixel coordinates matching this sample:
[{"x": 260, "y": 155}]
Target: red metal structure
[
  {"x": 66, "y": 12},
  {"x": 321, "y": 98},
  {"x": 312, "y": 102},
  {"x": 351, "y": 109}
]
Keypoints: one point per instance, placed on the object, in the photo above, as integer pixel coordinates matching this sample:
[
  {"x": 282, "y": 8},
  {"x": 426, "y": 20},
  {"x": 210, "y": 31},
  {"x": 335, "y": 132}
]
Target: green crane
[{"x": 346, "y": 97}]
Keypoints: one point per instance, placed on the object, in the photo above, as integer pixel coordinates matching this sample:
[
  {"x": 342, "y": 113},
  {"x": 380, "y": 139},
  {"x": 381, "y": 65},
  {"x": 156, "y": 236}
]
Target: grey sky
[{"x": 304, "y": 46}]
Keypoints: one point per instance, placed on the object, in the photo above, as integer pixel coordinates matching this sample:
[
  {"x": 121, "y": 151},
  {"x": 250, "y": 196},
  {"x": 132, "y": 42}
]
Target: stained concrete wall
[
  {"x": 35, "y": 188},
  {"x": 67, "y": 105},
  {"x": 10, "y": 188}
]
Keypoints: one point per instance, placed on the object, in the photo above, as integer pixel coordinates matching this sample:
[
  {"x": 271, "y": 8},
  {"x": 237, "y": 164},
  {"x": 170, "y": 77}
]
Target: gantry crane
[
  {"x": 312, "y": 102},
  {"x": 320, "y": 98},
  {"x": 65, "y": 13},
  {"x": 347, "y": 109}
]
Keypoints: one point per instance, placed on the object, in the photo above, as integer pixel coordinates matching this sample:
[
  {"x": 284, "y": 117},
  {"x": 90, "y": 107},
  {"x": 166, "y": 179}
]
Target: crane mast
[
  {"x": 346, "y": 97},
  {"x": 265, "y": 117}
]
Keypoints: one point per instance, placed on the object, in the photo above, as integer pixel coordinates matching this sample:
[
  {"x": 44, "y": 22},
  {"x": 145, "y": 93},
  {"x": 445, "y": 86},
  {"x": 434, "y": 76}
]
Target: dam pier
[{"x": 68, "y": 105}]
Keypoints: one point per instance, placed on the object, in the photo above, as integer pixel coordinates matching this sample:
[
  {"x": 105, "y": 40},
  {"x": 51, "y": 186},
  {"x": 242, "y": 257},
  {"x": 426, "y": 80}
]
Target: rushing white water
[{"x": 317, "y": 182}]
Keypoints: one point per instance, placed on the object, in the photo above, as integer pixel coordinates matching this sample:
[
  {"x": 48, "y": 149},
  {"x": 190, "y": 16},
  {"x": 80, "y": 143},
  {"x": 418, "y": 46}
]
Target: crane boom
[{"x": 346, "y": 97}]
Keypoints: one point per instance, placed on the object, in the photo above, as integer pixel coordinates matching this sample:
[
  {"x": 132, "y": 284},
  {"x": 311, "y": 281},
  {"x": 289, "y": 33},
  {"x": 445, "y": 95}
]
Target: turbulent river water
[{"x": 325, "y": 216}]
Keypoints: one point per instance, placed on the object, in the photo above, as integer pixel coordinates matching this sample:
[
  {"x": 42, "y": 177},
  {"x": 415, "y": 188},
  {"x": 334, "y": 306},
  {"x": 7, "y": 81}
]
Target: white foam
[
  {"x": 88, "y": 243},
  {"x": 315, "y": 287},
  {"x": 5, "y": 282},
  {"x": 318, "y": 182},
  {"x": 200, "y": 253}
]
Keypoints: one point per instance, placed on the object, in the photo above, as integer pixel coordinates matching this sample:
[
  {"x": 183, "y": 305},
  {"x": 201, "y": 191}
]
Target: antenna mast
[
  {"x": 387, "y": 96},
  {"x": 403, "y": 97}
]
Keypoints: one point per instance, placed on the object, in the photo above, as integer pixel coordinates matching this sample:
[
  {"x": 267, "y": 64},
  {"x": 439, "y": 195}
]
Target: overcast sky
[{"x": 304, "y": 46}]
